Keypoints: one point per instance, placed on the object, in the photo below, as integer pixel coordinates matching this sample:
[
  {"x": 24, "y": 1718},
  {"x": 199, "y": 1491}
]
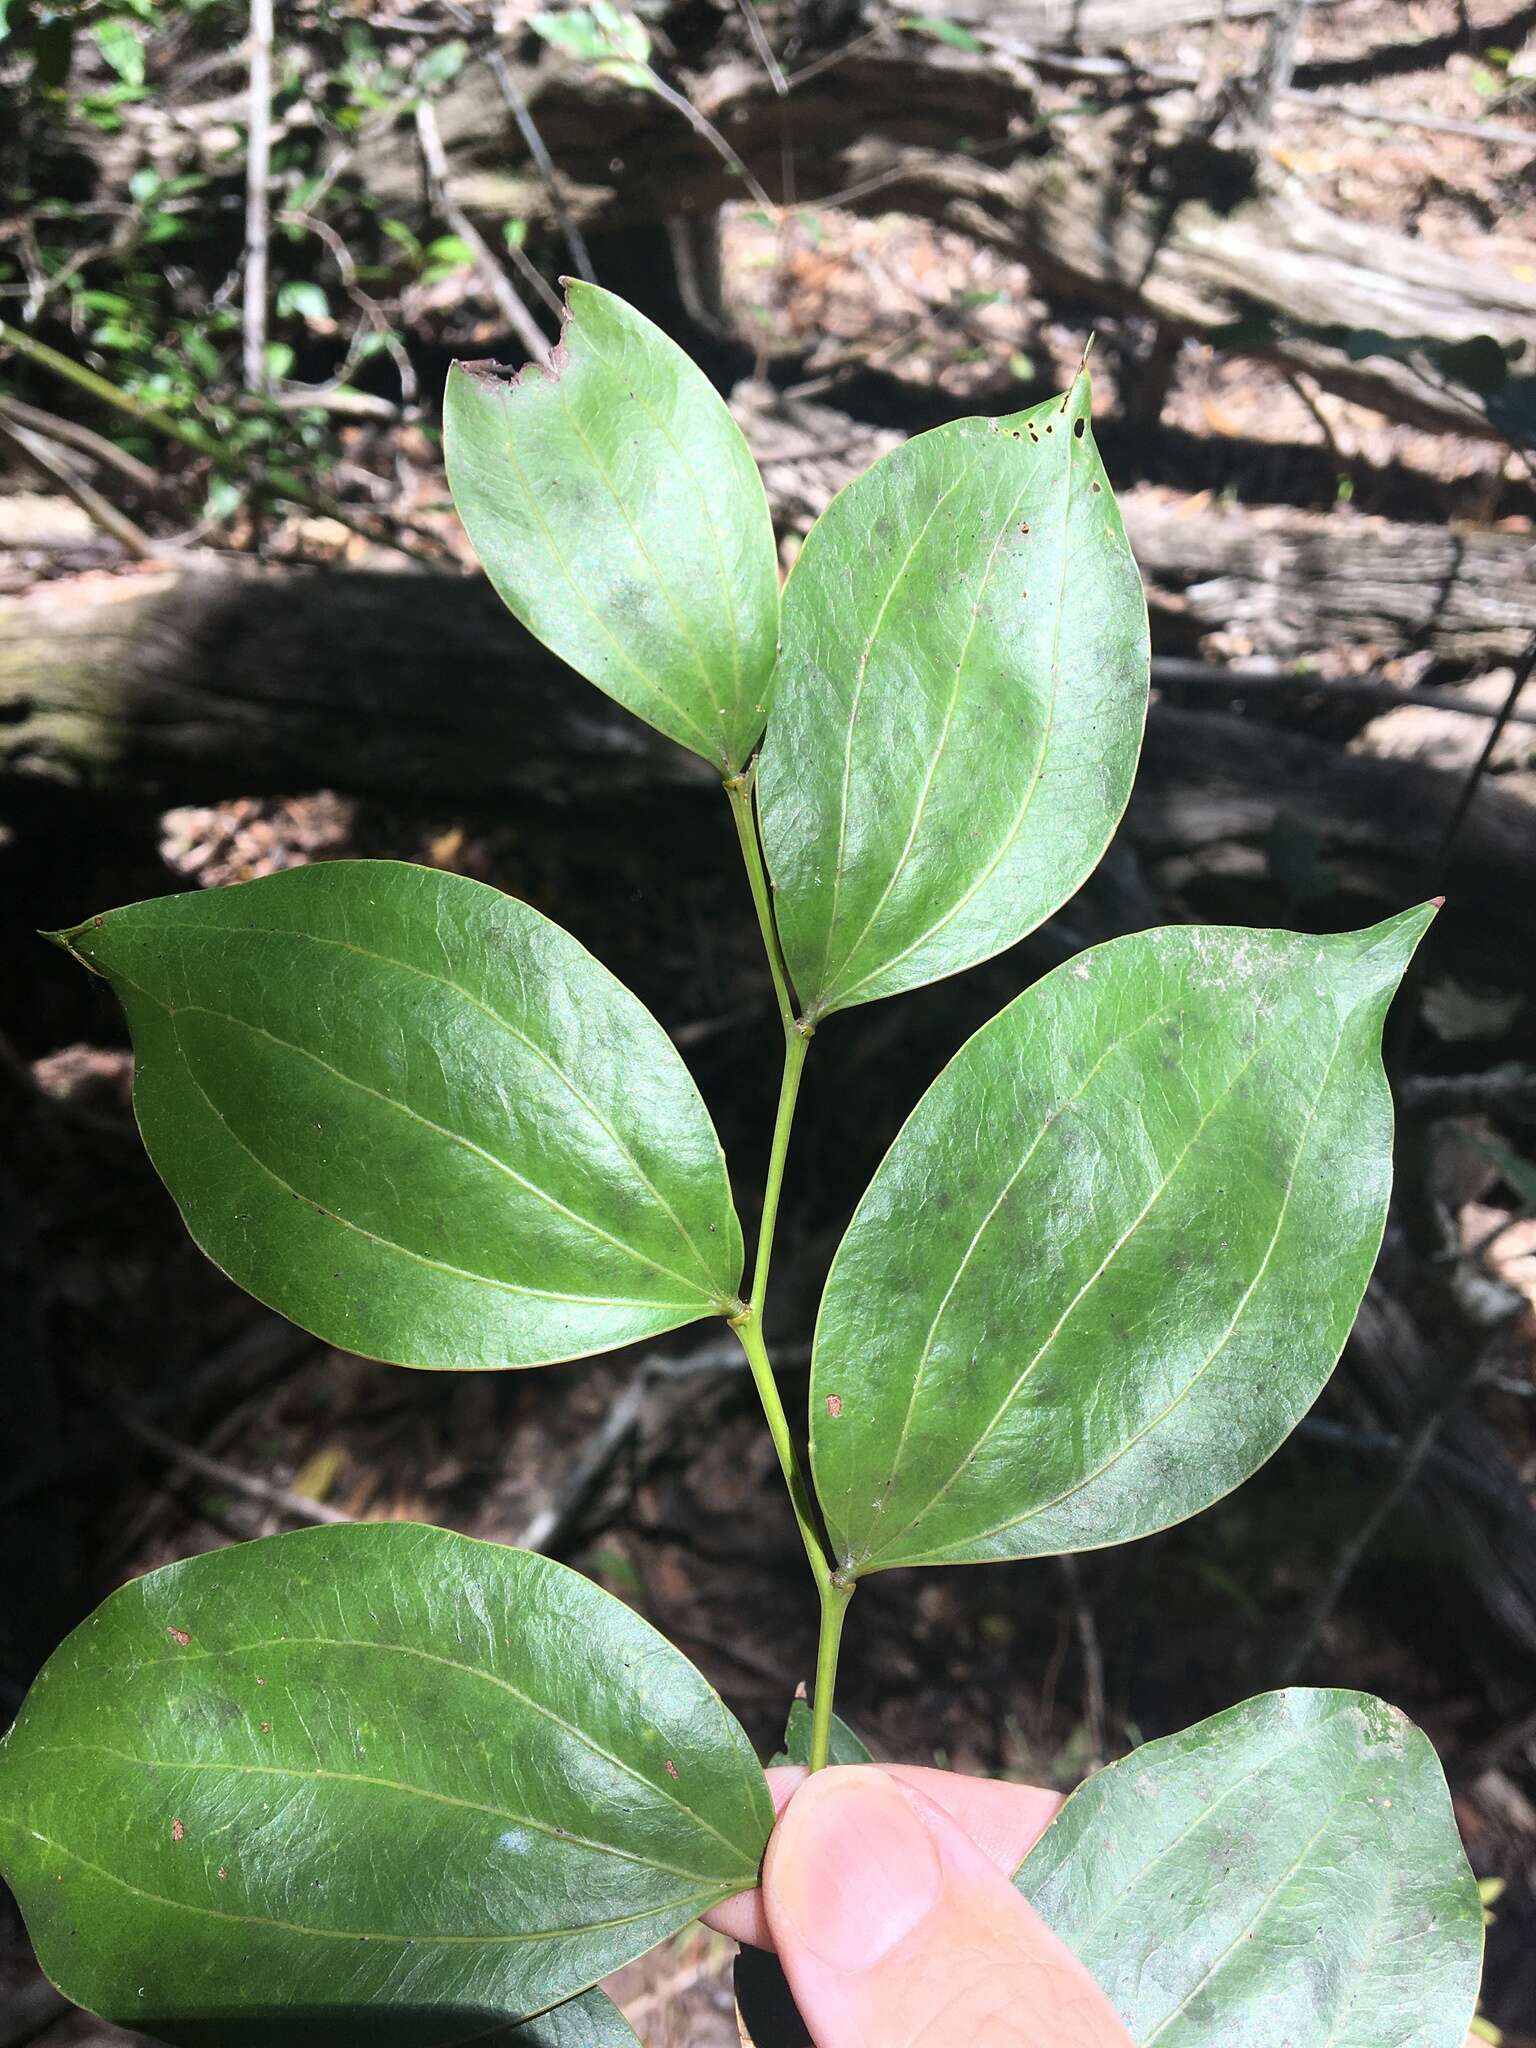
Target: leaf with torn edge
[{"x": 616, "y": 509}]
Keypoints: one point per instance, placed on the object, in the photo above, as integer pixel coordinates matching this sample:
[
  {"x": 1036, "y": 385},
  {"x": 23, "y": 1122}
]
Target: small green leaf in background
[
  {"x": 617, "y": 511},
  {"x": 379, "y": 1785},
  {"x": 416, "y": 1117},
  {"x": 845, "y": 1747},
  {"x": 941, "y": 31},
  {"x": 959, "y": 704},
  {"x": 1287, "y": 1874},
  {"x": 1114, "y": 1253},
  {"x": 122, "y": 49}
]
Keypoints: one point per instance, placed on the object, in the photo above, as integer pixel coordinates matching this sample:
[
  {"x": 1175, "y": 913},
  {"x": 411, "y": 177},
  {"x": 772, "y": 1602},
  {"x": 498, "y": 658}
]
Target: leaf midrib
[
  {"x": 577, "y": 1734},
  {"x": 1091, "y": 1282},
  {"x": 497, "y": 1017},
  {"x": 459, "y": 1138},
  {"x": 508, "y": 1939},
  {"x": 1156, "y": 1422},
  {"x": 326, "y": 1775},
  {"x": 1273, "y": 1898},
  {"x": 1011, "y": 836},
  {"x": 822, "y": 977},
  {"x": 1280, "y": 1755},
  {"x": 851, "y": 949}
]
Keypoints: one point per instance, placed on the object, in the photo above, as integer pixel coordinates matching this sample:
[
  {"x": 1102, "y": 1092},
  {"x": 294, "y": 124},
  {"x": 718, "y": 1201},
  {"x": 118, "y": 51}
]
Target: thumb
[{"x": 895, "y": 1931}]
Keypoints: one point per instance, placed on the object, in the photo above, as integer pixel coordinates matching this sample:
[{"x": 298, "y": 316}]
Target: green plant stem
[
  {"x": 796, "y": 1045},
  {"x": 833, "y": 1592},
  {"x": 740, "y": 791},
  {"x": 834, "y": 1606},
  {"x": 749, "y": 1333}
]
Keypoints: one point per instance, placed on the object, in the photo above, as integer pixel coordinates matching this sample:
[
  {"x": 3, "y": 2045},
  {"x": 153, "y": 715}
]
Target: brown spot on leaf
[
  {"x": 671, "y": 1768},
  {"x": 179, "y": 1636},
  {"x": 834, "y": 1405},
  {"x": 223, "y": 1875},
  {"x": 265, "y": 1727},
  {"x": 178, "y": 1831}
]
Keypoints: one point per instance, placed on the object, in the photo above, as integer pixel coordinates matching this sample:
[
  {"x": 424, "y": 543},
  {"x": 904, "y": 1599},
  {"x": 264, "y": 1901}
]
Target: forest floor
[{"x": 1031, "y": 1671}]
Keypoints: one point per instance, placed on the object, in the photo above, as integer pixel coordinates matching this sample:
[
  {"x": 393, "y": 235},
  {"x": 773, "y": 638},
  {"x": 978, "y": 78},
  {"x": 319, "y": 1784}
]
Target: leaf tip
[{"x": 68, "y": 942}]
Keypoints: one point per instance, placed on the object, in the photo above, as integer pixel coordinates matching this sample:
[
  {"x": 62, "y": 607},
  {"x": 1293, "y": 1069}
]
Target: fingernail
[{"x": 852, "y": 1869}]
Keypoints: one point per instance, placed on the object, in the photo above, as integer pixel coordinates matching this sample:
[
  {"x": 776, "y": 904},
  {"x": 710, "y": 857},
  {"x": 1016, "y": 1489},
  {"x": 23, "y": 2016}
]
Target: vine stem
[{"x": 833, "y": 1591}]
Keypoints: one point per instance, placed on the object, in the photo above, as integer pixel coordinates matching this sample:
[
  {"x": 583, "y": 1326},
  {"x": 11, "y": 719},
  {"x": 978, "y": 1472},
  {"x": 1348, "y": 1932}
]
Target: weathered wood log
[
  {"x": 1129, "y": 211},
  {"x": 184, "y": 685},
  {"x": 193, "y": 682},
  {"x": 1098, "y": 24},
  {"x": 1287, "y": 583}
]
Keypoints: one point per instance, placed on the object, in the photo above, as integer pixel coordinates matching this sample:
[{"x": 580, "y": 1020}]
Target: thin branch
[
  {"x": 489, "y": 52},
  {"x": 763, "y": 47},
  {"x": 297, "y": 1506},
  {"x": 1094, "y": 1719},
  {"x": 258, "y": 171},
  {"x": 116, "y": 525},
  {"x": 490, "y": 273},
  {"x": 1506, "y": 716},
  {"x": 70, "y": 434},
  {"x": 702, "y": 126},
  {"x": 1266, "y": 679}
]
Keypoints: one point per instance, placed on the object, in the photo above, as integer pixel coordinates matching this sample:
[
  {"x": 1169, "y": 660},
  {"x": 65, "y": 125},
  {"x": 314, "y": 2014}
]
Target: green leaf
[
  {"x": 959, "y": 704},
  {"x": 1150, "y": 1194},
  {"x": 1285, "y": 1875},
  {"x": 418, "y": 1118},
  {"x": 942, "y": 31},
  {"x": 618, "y": 512},
  {"x": 381, "y": 1778},
  {"x": 122, "y": 49},
  {"x": 844, "y": 1748},
  {"x": 301, "y": 299}
]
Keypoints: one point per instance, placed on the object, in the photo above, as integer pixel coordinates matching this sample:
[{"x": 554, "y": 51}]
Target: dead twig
[
  {"x": 1507, "y": 714},
  {"x": 1094, "y": 1719},
  {"x": 1510, "y": 1087},
  {"x": 116, "y": 525},
  {"x": 487, "y": 269},
  {"x": 258, "y": 170},
  {"x": 70, "y": 434},
  {"x": 553, "y": 1522},
  {"x": 488, "y": 51},
  {"x": 1264, "y": 678},
  {"x": 297, "y": 1506}
]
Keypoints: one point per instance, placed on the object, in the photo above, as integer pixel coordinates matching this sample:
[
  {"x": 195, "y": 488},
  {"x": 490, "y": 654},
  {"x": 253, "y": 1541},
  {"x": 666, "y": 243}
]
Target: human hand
[{"x": 886, "y": 1894}]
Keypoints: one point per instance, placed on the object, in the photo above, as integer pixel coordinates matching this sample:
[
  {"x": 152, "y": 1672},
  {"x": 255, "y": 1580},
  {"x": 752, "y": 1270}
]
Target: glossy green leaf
[
  {"x": 415, "y": 1116},
  {"x": 380, "y": 1779},
  {"x": 1115, "y": 1251},
  {"x": 959, "y": 704},
  {"x": 845, "y": 1747},
  {"x": 617, "y": 511},
  {"x": 1285, "y": 1875}
]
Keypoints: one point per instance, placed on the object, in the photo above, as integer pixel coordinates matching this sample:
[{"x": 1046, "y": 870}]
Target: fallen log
[
  {"x": 186, "y": 685},
  {"x": 1131, "y": 210},
  {"x": 1275, "y": 582}
]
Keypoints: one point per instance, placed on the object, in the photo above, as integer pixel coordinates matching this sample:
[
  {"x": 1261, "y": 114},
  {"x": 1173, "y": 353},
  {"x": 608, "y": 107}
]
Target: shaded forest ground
[{"x": 159, "y": 1413}]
